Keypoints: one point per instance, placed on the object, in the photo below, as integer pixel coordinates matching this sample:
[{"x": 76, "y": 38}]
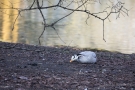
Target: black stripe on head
[
  {"x": 78, "y": 54},
  {"x": 74, "y": 56}
]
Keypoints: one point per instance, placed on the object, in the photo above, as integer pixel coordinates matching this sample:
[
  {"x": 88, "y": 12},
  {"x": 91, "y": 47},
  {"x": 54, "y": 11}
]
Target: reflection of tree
[{"x": 82, "y": 6}]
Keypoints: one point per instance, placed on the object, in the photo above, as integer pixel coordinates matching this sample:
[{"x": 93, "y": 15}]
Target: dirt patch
[{"x": 27, "y": 67}]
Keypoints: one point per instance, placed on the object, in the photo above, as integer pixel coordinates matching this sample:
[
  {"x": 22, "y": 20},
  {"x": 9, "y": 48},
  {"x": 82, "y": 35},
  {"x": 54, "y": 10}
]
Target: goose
[{"x": 85, "y": 57}]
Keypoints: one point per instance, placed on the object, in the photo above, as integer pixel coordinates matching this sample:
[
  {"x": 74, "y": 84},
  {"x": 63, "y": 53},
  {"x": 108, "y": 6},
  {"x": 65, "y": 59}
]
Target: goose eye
[{"x": 73, "y": 57}]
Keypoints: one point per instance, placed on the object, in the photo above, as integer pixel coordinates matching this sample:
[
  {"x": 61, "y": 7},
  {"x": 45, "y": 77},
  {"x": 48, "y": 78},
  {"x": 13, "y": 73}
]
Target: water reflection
[
  {"x": 6, "y": 33},
  {"x": 72, "y": 31}
]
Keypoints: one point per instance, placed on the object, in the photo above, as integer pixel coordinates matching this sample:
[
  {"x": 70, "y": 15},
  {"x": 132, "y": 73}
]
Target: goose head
[{"x": 74, "y": 58}]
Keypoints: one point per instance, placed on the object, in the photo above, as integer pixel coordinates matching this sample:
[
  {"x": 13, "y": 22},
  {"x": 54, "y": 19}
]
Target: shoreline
[{"x": 12, "y": 45}]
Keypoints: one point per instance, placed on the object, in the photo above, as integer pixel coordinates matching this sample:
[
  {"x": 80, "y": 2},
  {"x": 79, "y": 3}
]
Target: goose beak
[{"x": 71, "y": 60}]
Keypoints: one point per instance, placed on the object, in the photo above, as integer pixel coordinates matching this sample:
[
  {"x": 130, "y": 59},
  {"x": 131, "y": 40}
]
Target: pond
[{"x": 76, "y": 30}]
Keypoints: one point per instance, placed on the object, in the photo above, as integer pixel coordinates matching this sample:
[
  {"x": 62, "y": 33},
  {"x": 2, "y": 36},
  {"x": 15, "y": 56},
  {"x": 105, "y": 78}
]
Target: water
[{"x": 71, "y": 31}]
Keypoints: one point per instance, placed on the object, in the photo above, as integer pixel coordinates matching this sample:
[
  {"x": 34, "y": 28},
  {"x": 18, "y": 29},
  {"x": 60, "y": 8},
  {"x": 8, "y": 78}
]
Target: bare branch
[
  {"x": 32, "y": 4},
  {"x": 69, "y": 13},
  {"x": 87, "y": 19},
  {"x": 103, "y": 31},
  {"x": 42, "y": 3},
  {"x": 41, "y": 35},
  {"x": 82, "y": 6},
  {"x": 59, "y": 36},
  {"x": 15, "y": 20},
  {"x": 43, "y": 20}
]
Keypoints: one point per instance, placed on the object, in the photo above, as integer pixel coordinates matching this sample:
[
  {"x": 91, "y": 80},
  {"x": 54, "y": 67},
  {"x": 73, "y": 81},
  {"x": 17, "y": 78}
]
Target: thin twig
[
  {"x": 103, "y": 31},
  {"x": 117, "y": 9},
  {"x": 59, "y": 36},
  {"x": 15, "y": 20},
  {"x": 43, "y": 20},
  {"x": 41, "y": 34},
  {"x": 32, "y": 4}
]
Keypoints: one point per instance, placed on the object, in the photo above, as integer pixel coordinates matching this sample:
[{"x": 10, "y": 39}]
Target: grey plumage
[{"x": 85, "y": 57}]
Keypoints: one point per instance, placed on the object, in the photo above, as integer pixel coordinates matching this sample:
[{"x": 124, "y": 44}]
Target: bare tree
[{"x": 82, "y": 6}]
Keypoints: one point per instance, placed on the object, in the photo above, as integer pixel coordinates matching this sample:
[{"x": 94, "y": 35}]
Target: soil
[{"x": 29, "y": 67}]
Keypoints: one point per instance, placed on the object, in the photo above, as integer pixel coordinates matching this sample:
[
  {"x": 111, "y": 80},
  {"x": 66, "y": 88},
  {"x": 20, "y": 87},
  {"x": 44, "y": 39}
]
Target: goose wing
[
  {"x": 87, "y": 57},
  {"x": 87, "y": 53}
]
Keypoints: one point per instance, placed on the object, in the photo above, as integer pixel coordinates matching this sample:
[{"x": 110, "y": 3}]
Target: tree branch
[{"x": 117, "y": 9}]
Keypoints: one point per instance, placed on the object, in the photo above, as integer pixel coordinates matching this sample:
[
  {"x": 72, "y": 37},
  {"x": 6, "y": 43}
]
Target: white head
[{"x": 74, "y": 58}]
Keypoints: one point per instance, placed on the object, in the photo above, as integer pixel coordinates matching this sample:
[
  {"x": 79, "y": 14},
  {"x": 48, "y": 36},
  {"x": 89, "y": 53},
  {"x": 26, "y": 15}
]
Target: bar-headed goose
[{"x": 84, "y": 57}]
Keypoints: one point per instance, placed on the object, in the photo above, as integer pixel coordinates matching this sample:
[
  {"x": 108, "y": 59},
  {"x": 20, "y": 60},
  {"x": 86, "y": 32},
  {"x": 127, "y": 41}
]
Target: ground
[{"x": 29, "y": 67}]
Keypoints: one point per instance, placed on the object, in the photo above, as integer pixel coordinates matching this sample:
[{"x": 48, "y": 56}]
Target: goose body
[{"x": 84, "y": 57}]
